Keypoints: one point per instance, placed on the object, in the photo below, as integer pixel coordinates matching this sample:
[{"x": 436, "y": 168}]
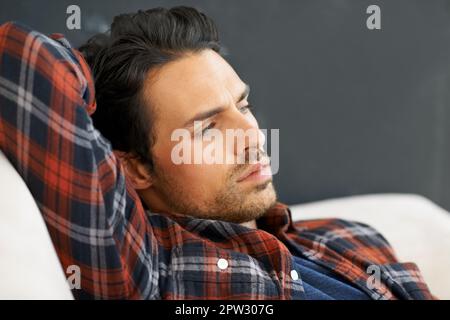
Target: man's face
[{"x": 188, "y": 89}]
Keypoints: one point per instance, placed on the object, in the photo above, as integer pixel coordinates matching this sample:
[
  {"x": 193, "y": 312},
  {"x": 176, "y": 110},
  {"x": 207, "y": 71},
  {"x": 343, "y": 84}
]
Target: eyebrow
[{"x": 209, "y": 113}]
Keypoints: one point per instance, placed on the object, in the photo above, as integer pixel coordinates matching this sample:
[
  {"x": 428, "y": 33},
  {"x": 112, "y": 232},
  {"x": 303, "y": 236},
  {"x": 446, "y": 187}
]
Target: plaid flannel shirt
[{"x": 96, "y": 220}]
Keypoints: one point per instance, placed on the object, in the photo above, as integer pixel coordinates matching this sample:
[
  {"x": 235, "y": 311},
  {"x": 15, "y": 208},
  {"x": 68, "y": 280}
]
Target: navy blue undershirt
[{"x": 323, "y": 284}]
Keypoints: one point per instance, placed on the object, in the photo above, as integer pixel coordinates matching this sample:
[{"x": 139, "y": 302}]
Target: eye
[
  {"x": 246, "y": 108},
  {"x": 210, "y": 126}
]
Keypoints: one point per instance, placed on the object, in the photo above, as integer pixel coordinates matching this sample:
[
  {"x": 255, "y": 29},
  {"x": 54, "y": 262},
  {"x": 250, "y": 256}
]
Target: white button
[
  {"x": 294, "y": 275},
  {"x": 222, "y": 264}
]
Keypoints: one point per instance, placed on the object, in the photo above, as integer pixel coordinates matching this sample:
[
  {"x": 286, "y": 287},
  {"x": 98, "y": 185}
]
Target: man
[{"x": 211, "y": 231}]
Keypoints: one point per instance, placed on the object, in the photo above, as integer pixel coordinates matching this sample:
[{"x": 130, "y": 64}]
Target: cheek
[
  {"x": 205, "y": 177},
  {"x": 199, "y": 179}
]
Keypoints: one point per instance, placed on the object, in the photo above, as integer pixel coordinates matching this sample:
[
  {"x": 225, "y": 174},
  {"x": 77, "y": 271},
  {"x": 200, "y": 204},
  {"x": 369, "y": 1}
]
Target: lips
[{"x": 253, "y": 170}]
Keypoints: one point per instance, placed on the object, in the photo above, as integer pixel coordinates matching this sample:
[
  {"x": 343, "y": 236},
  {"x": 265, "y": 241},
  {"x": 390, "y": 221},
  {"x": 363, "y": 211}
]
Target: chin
[{"x": 262, "y": 200}]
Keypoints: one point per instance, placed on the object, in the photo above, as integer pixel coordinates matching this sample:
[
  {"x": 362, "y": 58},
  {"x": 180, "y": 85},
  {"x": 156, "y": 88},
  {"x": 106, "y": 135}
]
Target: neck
[{"x": 155, "y": 205}]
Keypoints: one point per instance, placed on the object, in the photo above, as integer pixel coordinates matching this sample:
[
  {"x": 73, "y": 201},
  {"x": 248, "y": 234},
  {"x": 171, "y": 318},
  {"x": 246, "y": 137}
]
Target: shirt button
[
  {"x": 222, "y": 264},
  {"x": 294, "y": 275}
]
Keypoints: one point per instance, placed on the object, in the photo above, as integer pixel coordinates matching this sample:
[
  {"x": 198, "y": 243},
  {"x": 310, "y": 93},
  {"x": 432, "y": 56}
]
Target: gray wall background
[{"x": 359, "y": 111}]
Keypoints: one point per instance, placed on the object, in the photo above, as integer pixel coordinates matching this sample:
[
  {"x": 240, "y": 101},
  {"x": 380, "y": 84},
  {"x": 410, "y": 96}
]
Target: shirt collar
[{"x": 276, "y": 220}]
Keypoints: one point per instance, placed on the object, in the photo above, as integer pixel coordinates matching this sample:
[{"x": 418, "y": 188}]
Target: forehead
[{"x": 194, "y": 83}]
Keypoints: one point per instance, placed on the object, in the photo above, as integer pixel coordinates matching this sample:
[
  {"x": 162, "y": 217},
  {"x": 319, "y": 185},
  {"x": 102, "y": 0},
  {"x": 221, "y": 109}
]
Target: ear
[{"x": 136, "y": 172}]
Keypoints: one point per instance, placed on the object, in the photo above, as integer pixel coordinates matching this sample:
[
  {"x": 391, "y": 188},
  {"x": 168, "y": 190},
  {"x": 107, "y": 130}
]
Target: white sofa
[{"x": 29, "y": 268}]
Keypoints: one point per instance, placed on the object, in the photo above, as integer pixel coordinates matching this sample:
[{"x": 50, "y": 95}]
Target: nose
[{"x": 248, "y": 140}]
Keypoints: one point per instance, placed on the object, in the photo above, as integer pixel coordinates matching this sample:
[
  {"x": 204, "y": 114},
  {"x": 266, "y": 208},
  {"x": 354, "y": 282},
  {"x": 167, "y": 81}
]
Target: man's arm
[{"x": 96, "y": 220}]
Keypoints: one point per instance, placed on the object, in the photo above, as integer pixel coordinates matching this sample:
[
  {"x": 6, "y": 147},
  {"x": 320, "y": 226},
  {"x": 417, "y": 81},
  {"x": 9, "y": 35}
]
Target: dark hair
[{"x": 120, "y": 60}]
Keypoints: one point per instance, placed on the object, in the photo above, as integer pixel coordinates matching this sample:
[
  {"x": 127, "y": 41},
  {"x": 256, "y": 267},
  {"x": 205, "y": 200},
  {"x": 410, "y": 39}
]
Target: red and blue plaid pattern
[{"x": 97, "y": 221}]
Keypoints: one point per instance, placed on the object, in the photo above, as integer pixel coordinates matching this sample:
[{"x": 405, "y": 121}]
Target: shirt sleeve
[{"x": 94, "y": 217}]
